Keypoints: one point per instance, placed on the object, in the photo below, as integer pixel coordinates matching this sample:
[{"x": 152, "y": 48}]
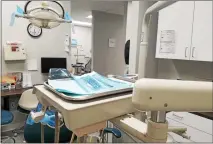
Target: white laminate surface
[
  {"x": 195, "y": 134},
  {"x": 192, "y": 120}
]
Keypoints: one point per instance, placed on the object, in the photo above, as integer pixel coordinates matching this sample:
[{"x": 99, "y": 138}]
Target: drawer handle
[
  {"x": 193, "y": 51},
  {"x": 179, "y": 117},
  {"x": 186, "y": 51}
]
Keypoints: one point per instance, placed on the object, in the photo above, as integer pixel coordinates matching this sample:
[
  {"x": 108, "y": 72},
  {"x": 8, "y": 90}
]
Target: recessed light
[
  {"x": 89, "y": 17},
  {"x": 82, "y": 23}
]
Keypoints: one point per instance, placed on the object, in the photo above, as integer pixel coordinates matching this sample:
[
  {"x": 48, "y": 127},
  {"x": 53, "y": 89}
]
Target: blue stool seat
[{"x": 6, "y": 117}]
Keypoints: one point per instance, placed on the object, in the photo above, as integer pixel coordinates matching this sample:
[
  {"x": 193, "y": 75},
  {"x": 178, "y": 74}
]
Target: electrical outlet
[
  {"x": 13, "y": 103},
  {"x": 67, "y": 40}
]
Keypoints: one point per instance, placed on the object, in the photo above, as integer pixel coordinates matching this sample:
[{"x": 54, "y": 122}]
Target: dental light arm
[
  {"x": 145, "y": 34},
  {"x": 164, "y": 95},
  {"x": 172, "y": 95},
  {"x": 47, "y": 19}
]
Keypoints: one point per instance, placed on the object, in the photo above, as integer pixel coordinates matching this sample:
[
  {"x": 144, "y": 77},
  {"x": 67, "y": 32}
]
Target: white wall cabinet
[
  {"x": 191, "y": 24},
  {"x": 201, "y": 49},
  {"x": 177, "y": 17}
]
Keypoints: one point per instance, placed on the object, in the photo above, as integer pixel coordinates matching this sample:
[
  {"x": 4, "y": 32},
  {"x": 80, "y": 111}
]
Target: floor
[
  {"x": 18, "y": 139},
  {"x": 15, "y": 129},
  {"x": 18, "y": 122}
]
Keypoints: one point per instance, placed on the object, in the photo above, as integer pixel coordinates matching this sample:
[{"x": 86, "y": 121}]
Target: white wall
[
  {"x": 132, "y": 32},
  {"x": 50, "y": 44},
  {"x": 135, "y": 13},
  {"x": 108, "y": 60},
  {"x": 83, "y": 36}
]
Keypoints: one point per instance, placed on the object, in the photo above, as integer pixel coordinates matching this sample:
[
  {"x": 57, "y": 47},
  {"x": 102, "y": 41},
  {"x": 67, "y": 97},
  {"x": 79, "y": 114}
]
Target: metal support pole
[
  {"x": 143, "y": 116},
  {"x": 154, "y": 116},
  {"x": 158, "y": 116},
  {"x": 85, "y": 138},
  {"x": 42, "y": 133},
  {"x": 78, "y": 139},
  {"x": 72, "y": 138},
  {"x": 57, "y": 128},
  {"x": 81, "y": 139},
  {"x": 161, "y": 116}
]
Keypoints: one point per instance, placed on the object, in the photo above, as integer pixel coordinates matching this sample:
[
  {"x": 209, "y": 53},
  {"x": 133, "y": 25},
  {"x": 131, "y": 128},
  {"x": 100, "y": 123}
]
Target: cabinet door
[
  {"x": 178, "y": 18},
  {"x": 202, "y": 32}
]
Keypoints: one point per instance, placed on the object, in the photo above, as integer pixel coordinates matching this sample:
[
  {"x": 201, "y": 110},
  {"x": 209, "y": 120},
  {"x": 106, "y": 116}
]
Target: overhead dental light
[{"x": 44, "y": 14}]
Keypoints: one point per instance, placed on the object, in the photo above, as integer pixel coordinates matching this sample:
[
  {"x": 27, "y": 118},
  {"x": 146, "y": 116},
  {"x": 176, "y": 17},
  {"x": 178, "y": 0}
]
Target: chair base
[{"x": 7, "y": 139}]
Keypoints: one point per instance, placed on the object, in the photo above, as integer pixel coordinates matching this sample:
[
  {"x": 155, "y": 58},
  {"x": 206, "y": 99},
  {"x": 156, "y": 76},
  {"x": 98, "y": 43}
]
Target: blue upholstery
[
  {"x": 32, "y": 130},
  {"x": 49, "y": 118},
  {"x": 114, "y": 131},
  {"x": 6, "y": 117}
]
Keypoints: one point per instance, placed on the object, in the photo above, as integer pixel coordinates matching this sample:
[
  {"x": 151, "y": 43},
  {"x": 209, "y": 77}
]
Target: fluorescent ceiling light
[
  {"x": 89, "y": 17},
  {"x": 80, "y": 23}
]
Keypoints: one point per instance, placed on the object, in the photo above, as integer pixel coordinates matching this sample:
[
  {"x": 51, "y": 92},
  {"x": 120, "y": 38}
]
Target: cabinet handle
[
  {"x": 186, "y": 51},
  {"x": 193, "y": 50},
  {"x": 179, "y": 117}
]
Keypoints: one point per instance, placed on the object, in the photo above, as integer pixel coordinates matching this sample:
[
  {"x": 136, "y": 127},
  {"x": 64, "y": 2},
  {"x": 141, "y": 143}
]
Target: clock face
[{"x": 34, "y": 31}]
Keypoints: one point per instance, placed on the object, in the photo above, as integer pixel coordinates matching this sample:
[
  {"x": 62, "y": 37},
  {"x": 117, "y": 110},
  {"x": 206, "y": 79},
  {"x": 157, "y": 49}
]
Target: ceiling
[{"x": 81, "y": 9}]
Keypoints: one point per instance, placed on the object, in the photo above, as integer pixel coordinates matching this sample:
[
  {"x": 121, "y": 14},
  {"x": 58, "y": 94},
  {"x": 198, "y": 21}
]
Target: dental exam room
[{"x": 106, "y": 71}]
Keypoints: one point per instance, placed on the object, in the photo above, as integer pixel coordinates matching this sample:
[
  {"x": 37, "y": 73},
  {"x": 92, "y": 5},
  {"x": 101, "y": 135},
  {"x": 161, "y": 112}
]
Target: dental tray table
[
  {"x": 91, "y": 96},
  {"x": 79, "y": 114}
]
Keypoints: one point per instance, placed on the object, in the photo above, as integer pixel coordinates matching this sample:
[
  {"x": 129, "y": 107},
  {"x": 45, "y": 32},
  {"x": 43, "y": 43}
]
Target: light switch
[
  {"x": 112, "y": 42},
  {"x": 67, "y": 40}
]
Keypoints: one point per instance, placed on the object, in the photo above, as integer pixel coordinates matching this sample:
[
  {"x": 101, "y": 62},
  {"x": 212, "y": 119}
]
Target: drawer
[
  {"x": 174, "y": 138},
  {"x": 192, "y": 120},
  {"x": 195, "y": 134}
]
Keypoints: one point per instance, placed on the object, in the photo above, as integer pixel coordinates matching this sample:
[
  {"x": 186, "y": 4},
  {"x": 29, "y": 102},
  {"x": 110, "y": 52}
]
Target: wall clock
[{"x": 34, "y": 31}]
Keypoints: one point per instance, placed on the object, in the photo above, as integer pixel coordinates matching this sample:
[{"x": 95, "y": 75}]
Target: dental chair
[
  {"x": 32, "y": 133},
  {"x": 32, "y": 130},
  {"x": 27, "y": 102}
]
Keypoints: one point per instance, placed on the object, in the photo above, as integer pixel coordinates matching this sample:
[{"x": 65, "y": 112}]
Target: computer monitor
[{"x": 52, "y": 62}]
